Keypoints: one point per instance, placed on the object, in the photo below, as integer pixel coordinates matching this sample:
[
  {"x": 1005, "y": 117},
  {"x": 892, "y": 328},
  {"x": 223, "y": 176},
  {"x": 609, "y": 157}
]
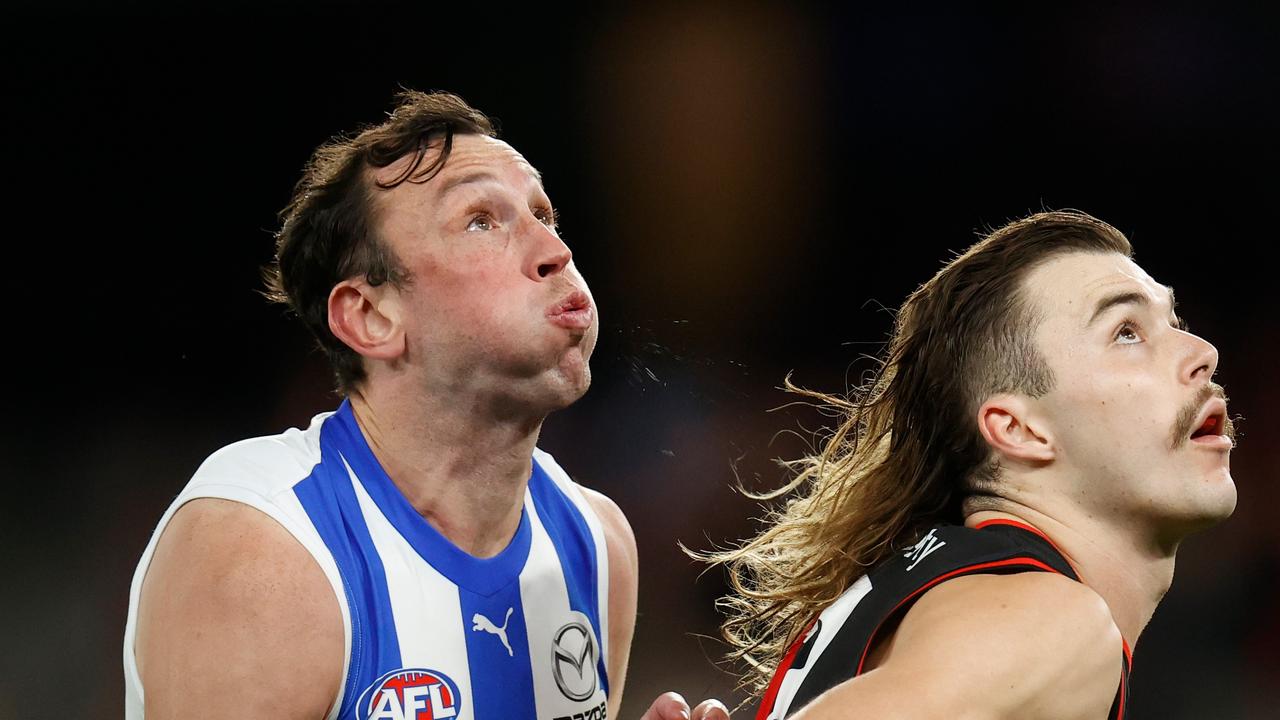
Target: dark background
[{"x": 747, "y": 190}]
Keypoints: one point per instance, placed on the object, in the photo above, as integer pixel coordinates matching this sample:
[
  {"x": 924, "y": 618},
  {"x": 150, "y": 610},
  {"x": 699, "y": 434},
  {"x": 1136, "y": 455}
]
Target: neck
[
  {"x": 460, "y": 462},
  {"x": 1130, "y": 573}
]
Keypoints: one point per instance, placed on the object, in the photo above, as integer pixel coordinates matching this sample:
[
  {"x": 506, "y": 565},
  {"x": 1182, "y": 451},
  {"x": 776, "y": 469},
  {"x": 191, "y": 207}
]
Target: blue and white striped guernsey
[{"x": 431, "y": 631}]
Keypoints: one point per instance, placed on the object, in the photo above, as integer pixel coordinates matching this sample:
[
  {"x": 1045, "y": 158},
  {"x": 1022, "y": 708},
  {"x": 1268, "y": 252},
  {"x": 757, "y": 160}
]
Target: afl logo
[
  {"x": 573, "y": 659},
  {"x": 411, "y": 694}
]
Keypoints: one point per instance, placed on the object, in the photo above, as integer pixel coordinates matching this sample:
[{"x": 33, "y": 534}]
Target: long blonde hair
[{"x": 906, "y": 452}]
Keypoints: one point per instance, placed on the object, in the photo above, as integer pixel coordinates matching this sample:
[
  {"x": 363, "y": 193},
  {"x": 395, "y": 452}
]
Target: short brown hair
[
  {"x": 327, "y": 231},
  {"x": 907, "y": 454}
]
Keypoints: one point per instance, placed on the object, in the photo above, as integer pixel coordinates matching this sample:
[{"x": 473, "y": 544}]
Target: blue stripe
[
  {"x": 331, "y": 504},
  {"x": 481, "y": 575},
  {"x": 501, "y": 682},
  {"x": 577, "y": 552}
]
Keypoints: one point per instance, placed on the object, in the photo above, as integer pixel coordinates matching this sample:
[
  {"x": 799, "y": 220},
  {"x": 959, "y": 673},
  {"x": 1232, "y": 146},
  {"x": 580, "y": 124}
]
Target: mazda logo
[{"x": 574, "y": 661}]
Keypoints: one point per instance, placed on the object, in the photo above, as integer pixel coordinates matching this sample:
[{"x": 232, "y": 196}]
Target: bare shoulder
[
  {"x": 1031, "y": 645},
  {"x": 1042, "y": 607},
  {"x": 233, "y": 609},
  {"x": 624, "y": 571},
  {"x": 624, "y": 562},
  {"x": 612, "y": 519}
]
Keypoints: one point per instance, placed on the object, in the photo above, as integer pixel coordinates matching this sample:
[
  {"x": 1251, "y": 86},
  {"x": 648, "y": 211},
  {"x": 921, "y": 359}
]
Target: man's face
[
  {"x": 494, "y": 304},
  {"x": 1133, "y": 412}
]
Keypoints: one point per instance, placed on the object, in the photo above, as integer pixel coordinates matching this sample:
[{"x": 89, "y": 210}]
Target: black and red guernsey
[{"x": 835, "y": 647}]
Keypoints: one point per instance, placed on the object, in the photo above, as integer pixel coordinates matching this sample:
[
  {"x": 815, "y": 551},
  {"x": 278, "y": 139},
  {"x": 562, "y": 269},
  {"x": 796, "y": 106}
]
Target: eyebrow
[
  {"x": 1128, "y": 297},
  {"x": 477, "y": 177},
  {"x": 470, "y": 178}
]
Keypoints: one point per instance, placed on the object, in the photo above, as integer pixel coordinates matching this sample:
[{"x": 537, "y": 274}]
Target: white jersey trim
[{"x": 574, "y": 492}]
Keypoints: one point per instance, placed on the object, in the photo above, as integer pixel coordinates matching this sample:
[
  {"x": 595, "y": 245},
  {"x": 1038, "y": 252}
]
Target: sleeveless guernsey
[
  {"x": 835, "y": 647},
  {"x": 431, "y": 632}
]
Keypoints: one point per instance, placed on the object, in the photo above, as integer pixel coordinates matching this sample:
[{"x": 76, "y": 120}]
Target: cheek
[
  {"x": 1105, "y": 414},
  {"x": 589, "y": 342},
  {"x": 575, "y": 275},
  {"x": 466, "y": 284}
]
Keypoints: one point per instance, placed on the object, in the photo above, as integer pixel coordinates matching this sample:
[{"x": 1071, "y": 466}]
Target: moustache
[{"x": 1185, "y": 424}]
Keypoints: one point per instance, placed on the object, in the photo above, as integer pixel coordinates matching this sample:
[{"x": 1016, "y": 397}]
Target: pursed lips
[{"x": 574, "y": 312}]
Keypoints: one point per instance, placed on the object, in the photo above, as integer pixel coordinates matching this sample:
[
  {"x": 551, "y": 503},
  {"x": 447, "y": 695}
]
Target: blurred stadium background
[{"x": 748, "y": 188}]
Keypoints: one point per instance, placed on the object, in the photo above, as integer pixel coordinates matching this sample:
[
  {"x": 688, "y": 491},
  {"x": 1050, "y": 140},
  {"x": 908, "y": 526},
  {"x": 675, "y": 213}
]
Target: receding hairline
[{"x": 372, "y": 176}]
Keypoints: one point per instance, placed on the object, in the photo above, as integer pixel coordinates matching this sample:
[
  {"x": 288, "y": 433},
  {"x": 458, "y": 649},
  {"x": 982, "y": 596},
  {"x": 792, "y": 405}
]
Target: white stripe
[
  {"x": 424, "y": 603},
  {"x": 575, "y": 495},
  {"x": 833, "y": 618},
  {"x": 545, "y": 597}
]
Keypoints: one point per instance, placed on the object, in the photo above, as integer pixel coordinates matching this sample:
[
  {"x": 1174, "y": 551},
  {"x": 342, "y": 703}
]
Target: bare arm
[
  {"x": 623, "y": 572},
  {"x": 988, "y": 647},
  {"x": 233, "y": 612}
]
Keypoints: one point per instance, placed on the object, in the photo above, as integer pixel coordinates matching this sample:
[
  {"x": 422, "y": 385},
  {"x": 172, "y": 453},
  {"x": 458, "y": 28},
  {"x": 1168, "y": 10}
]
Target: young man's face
[
  {"x": 1131, "y": 395},
  {"x": 494, "y": 303}
]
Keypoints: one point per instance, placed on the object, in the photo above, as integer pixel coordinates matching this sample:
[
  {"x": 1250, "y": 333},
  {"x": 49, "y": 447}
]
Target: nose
[
  {"x": 1201, "y": 361},
  {"x": 547, "y": 254}
]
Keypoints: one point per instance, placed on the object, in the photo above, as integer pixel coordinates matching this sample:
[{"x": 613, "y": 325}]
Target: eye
[
  {"x": 547, "y": 216},
  {"x": 1127, "y": 334},
  {"x": 480, "y": 223}
]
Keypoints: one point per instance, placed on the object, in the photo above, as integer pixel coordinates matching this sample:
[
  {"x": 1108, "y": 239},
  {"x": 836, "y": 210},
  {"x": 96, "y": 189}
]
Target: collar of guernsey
[{"x": 483, "y": 576}]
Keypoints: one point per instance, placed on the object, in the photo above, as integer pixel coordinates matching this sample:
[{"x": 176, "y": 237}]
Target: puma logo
[{"x": 483, "y": 623}]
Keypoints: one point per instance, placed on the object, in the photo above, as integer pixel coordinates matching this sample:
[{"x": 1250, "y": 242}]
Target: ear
[
  {"x": 367, "y": 318},
  {"x": 1009, "y": 425}
]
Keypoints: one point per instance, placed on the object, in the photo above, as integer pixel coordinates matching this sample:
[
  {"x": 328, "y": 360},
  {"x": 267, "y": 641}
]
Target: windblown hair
[
  {"x": 327, "y": 231},
  {"x": 907, "y": 453}
]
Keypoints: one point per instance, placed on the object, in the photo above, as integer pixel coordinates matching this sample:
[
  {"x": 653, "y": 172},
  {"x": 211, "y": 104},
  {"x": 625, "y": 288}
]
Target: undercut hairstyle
[
  {"x": 328, "y": 230},
  {"x": 907, "y": 453}
]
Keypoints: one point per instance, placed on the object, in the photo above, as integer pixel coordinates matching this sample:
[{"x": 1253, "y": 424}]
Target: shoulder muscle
[
  {"x": 1032, "y": 645},
  {"x": 234, "y": 609},
  {"x": 623, "y": 588},
  {"x": 620, "y": 537}
]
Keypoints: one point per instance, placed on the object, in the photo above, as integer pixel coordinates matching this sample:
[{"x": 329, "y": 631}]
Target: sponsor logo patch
[
  {"x": 481, "y": 623},
  {"x": 923, "y": 549},
  {"x": 600, "y": 712},
  {"x": 573, "y": 659},
  {"x": 411, "y": 694}
]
